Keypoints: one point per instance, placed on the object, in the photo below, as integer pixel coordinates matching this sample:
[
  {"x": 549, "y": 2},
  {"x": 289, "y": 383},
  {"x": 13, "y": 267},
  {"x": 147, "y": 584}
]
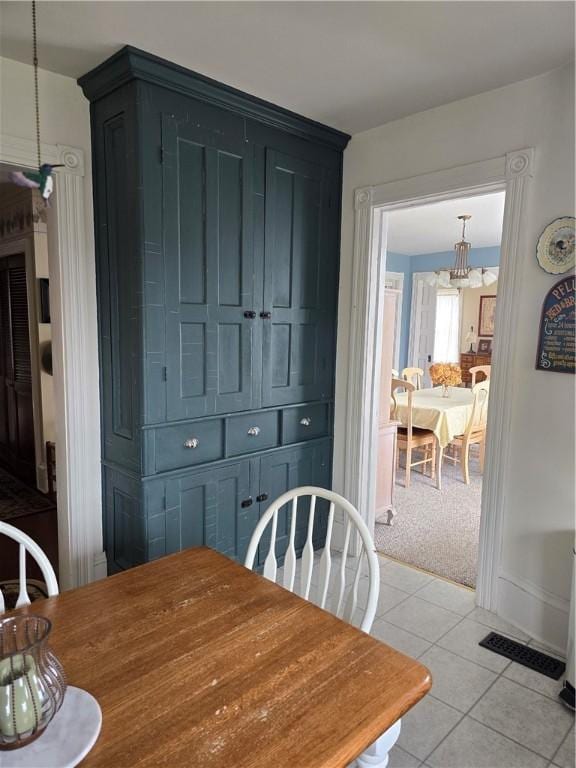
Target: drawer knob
[
  {"x": 254, "y": 431},
  {"x": 193, "y": 442},
  {"x": 306, "y": 421}
]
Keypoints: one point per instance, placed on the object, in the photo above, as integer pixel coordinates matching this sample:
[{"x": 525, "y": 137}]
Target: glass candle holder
[{"x": 32, "y": 681}]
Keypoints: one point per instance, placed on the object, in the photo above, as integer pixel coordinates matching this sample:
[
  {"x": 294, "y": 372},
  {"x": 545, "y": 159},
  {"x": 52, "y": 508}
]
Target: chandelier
[{"x": 461, "y": 275}]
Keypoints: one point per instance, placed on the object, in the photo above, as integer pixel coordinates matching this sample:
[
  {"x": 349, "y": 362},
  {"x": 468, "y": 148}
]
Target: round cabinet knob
[
  {"x": 192, "y": 442},
  {"x": 254, "y": 431},
  {"x": 306, "y": 421}
]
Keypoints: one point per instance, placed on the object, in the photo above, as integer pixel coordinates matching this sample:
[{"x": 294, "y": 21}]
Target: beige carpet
[{"x": 436, "y": 530}]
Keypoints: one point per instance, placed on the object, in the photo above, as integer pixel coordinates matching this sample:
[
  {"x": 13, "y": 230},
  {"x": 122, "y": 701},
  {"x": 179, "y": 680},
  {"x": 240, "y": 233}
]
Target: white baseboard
[
  {"x": 100, "y": 566},
  {"x": 539, "y": 613}
]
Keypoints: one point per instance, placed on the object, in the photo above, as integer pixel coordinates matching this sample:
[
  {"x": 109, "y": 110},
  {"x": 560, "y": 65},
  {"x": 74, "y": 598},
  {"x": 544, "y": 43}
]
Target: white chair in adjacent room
[
  {"x": 28, "y": 545},
  {"x": 409, "y": 374},
  {"x": 346, "y": 602}
]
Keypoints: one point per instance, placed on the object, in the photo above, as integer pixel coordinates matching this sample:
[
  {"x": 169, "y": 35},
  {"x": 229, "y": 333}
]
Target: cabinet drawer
[
  {"x": 184, "y": 445},
  {"x": 305, "y": 423},
  {"x": 252, "y": 432}
]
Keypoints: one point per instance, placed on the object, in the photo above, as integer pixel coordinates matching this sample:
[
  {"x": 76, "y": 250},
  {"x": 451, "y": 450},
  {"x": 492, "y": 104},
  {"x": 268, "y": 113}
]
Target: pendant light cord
[{"x": 36, "y": 101}]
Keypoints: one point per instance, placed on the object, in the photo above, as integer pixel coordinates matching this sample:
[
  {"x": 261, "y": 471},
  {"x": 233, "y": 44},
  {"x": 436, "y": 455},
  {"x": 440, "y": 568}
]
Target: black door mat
[{"x": 523, "y": 654}]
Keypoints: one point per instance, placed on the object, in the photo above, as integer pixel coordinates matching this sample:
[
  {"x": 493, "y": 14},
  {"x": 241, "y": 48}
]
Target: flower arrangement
[{"x": 446, "y": 374}]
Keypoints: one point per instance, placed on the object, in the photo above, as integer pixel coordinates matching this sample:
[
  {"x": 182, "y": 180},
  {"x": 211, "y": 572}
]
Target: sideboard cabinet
[{"x": 217, "y": 220}]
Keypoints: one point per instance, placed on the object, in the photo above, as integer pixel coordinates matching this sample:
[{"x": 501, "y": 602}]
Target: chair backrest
[
  {"x": 479, "y": 414},
  {"x": 485, "y": 369},
  {"x": 410, "y": 373},
  {"x": 346, "y": 605},
  {"x": 394, "y": 373},
  {"x": 28, "y": 545},
  {"x": 409, "y": 388}
]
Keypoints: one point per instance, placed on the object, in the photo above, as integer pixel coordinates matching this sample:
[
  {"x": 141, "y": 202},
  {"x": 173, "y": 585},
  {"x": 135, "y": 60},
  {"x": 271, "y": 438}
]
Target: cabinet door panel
[
  {"x": 208, "y": 249},
  {"x": 288, "y": 469},
  {"x": 299, "y": 281},
  {"x": 204, "y": 508}
]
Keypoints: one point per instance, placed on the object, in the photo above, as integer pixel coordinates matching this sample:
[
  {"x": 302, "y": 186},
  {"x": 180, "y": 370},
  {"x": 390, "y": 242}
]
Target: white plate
[
  {"x": 66, "y": 741},
  {"x": 555, "y": 250}
]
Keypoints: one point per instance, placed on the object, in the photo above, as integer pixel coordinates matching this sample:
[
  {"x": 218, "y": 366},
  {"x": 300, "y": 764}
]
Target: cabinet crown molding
[{"x": 131, "y": 63}]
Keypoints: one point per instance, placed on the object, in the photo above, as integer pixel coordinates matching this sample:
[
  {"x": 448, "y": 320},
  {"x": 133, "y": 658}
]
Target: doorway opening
[
  {"x": 27, "y": 400},
  {"x": 430, "y": 466}
]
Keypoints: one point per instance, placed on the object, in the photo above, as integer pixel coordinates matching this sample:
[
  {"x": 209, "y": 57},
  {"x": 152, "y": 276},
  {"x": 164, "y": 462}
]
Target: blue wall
[{"x": 429, "y": 262}]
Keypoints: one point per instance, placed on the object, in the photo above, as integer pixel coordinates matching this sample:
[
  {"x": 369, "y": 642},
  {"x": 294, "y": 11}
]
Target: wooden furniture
[
  {"x": 475, "y": 432},
  {"x": 409, "y": 374},
  {"x": 446, "y": 417},
  {"x": 217, "y": 221},
  {"x": 411, "y": 438},
  {"x": 197, "y": 661},
  {"x": 282, "y": 514},
  {"x": 471, "y": 360},
  {"x": 483, "y": 370},
  {"x": 28, "y": 545}
]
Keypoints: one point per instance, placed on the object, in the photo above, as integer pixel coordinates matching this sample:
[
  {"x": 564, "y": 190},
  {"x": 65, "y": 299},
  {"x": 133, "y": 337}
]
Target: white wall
[
  {"x": 538, "y": 529},
  {"x": 64, "y": 118}
]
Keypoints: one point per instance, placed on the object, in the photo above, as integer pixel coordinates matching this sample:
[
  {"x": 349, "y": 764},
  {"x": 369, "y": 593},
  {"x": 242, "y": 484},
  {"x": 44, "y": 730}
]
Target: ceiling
[
  {"x": 435, "y": 227},
  {"x": 351, "y": 65}
]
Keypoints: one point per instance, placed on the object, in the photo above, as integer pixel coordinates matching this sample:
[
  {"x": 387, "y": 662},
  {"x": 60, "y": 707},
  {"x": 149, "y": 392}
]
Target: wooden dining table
[
  {"x": 446, "y": 417},
  {"x": 197, "y": 661}
]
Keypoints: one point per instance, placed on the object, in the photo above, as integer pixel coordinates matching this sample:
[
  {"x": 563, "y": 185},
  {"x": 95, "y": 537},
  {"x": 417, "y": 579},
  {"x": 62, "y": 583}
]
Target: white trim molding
[
  {"x": 539, "y": 613},
  {"x": 511, "y": 173},
  {"x": 75, "y": 348}
]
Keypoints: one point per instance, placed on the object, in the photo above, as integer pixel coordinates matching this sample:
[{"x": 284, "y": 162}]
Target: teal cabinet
[
  {"x": 299, "y": 281},
  {"x": 207, "y": 208},
  {"x": 217, "y": 219}
]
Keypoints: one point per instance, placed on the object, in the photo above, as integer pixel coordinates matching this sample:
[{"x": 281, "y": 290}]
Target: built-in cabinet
[{"x": 217, "y": 233}]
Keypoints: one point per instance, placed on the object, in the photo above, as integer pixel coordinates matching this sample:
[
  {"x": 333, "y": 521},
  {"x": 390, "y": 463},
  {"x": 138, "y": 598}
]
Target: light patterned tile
[
  {"x": 534, "y": 680},
  {"x": 425, "y": 725},
  {"x": 403, "y": 577},
  {"x": 423, "y": 619},
  {"x": 399, "y": 639},
  {"x": 525, "y": 716},
  {"x": 399, "y": 758},
  {"x": 497, "y": 624},
  {"x": 463, "y": 640},
  {"x": 472, "y": 745},
  {"x": 450, "y": 596},
  {"x": 455, "y": 681},
  {"x": 564, "y": 757}
]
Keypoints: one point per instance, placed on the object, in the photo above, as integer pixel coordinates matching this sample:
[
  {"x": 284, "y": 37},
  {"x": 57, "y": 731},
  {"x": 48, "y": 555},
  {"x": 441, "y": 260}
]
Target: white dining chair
[
  {"x": 28, "y": 545},
  {"x": 376, "y": 754}
]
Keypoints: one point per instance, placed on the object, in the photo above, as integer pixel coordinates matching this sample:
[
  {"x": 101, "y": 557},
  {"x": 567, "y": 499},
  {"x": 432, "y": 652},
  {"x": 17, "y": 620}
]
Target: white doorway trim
[
  {"x": 512, "y": 173},
  {"x": 75, "y": 352}
]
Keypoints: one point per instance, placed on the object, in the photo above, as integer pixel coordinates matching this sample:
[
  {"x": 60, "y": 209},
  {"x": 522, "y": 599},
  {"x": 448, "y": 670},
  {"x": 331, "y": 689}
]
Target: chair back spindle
[
  {"x": 345, "y": 596},
  {"x": 28, "y": 545}
]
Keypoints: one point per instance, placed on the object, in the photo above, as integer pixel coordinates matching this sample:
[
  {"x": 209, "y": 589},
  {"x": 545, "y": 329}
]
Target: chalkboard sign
[{"x": 557, "y": 325}]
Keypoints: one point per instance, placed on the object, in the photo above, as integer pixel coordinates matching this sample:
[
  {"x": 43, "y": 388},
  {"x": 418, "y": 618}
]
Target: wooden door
[
  {"x": 300, "y": 266},
  {"x": 211, "y": 507},
  {"x": 207, "y": 209},
  {"x": 16, "y": 411},
  {"x": 282, "y": 471}
]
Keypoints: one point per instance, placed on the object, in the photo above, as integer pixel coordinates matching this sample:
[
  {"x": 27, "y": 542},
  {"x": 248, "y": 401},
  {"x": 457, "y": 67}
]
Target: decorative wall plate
[{"x": 555, "y": 249}]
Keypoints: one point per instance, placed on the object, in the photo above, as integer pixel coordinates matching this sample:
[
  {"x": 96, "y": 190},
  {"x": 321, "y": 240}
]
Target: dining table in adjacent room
[
  {"x": 445, "y": 416},
  {"x": 197, "y": 661}
]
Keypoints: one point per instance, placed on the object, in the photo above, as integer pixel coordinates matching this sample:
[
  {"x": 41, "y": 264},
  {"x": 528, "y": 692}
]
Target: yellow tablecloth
[{"x": 445, "y": 416}]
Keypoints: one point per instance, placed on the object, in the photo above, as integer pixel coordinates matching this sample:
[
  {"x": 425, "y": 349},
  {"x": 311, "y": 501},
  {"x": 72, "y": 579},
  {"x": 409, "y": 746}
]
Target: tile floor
[{"x": 483, "y": 711}]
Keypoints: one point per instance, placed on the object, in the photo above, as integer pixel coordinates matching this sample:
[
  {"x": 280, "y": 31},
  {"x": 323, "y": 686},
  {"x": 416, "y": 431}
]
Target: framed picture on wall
[
  {"x": 487, "y": 313},
  {"x": 484, "y": 346}
]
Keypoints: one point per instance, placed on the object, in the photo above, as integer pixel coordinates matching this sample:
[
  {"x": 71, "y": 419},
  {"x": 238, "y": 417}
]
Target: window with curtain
[{"x": 447, "y": 331}]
